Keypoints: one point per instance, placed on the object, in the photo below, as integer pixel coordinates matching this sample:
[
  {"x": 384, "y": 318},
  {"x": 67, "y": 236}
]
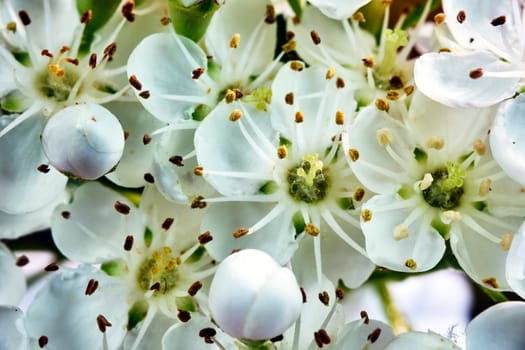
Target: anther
[
  {"x": 207, "y": 332},
  {"x": 22, "y": 260},
  {"x": 194, "y": 288},
  {"x": 93, "y": 61},
  {"x": 491, "y": 281},
  {"x": 426, "y": 182},
  {"x": 166, "y": 224},
  {"x": 146, "y": 139},
  {"x": 359, "y": 17},
  {"x": 484, "y": 187},
  {"x": 197, "y": 72},
  {"x": 183, "y": 315},
  {"x": 42, "y": 341},
  {"x": 270, "y": 14},
  {"x": 282, "y": 152},
  {"x": 476, "y": 73},
  {"x": 102, "y": 323},
  {"x": 64, "y": 49},
  {"x": 339, "y": 83},
  {"x": 330, "y": 73},
  {"x": 177, "y": 160},
  {"x": 155, "y": 287},
  {"x": 289, "y": 98},
  {"x": 303, "y": 294},
  {"x": 24, "y": 17},
  {"x": 396, "y": 82},
  {"x": 435, "y": 142},
  {"x": 133, "y": 81},
  {"x": 498, "y": 21},
  {"x": 401, "y": 232},
  {"x": 439, "y": 18},
  {"x": 359, "y": 193},
  {"x": 366, "y": 215},
  {"x": 384, "y": 137},
  {"x": 122, "y": 208},
  {"x": 66, "y": 214},
  {"x": 339, "y": 117},
  {"x": 235, "y": 40},
  {"x": 198, "y": 170},
  {"x": 230, "y": 96},
  {"x": 144, "y": 94},
  {"x": 45, "y": 52},
  {"x": 339, "y": 293},
  {"x": 324, "y": 297},
  {"x": 127, "y": 11},
  {"x": 322, "y": 338},
  {"x": 368, "y": 62},
  {"x": 43, "y": 168},
  {"x": 11, "y": 27},
  {"x": 506, "y": 241},
  {"x": 297, "y": 66},
  {"x": 299, "y": 117},
  {"x": 461, "y": 16},
  {"x": 392, "y": 95},
  {"x": 51, "y": 267},
  {"x": 240, "y": 232},
  {"x": 452, "y": 215},
  {"x": 86, "y": 16},
  {"x": 411, "y": 264},
  {"x": 276, "y": 339},
  {"x": 165, "y": 21},
  {"x": 372, "y": 337},
  {"x": 73, "y": 61},
  {"x": 353, "y": 154},
  {"x": 110, "y": 50},
  {"x": 479, "y": 147},
  {"x": 315, "y": 37},
  {"x": 235, "y": 115},
  {"x": 91, "y": 287},
  {"x": 205, "y": 237},
  {"x": 364, "y": 317},
  {"x": 289, "y": 46},
  {"x": 198, "y": 203},
  {"x": 312, "y": 230},
  {"x": 382, "y": 105},
  {"x": 409, "y": 90},
  {"x": 128, "y": 243}
]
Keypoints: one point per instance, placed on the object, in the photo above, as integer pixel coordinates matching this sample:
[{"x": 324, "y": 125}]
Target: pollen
[
  {"x": 439, "y": 18},
  {"x": 366, "y": 214},
  {"x": 282, "y": 152},
  {"x": 484, "y": 187},
  {"x": 384, "y": 137},
  {"x": 479, "y": 147},
  {"x": 506, "y": 241},
  {"x": 368, "y": 62},
  {"x": 297, "y": 66},
  {"x": 435, "y": 142},
  {"x": 382, "y": 104},
  {"x": 235, "y": 40},
  {"x": 353, "y": 154},
  {"x": 299, "y": 117},
  {"x": 426, "y": 182},
  {"x": 312, "y": 230},
  {"x": 411, "y": 264},
  {"x": 330, "y": 73},
  {"x": 235, "y": 115},
  {"x": 339, "y": 117},
  {"x": 401, "y": 232},
  {"x": 359, "y": 194}
]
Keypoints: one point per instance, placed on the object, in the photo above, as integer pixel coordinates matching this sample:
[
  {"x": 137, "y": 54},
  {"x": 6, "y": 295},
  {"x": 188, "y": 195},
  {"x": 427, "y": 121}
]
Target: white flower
[
  {"x": 339, "y": 9},
  {"x": 515, "y": 266},
  {"x": 14, "y": 335},
  {"x": 282, "y": 174},
  {"x": 435, "y": 182},
  {"x": 14, "y": 282}
]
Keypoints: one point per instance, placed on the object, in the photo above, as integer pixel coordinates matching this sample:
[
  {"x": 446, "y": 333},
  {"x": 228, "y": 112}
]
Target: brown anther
[
  {"x": 235, "y": 115},
  {"x": 146, "y": 139},
  {"x": 177, "y": 160},
  {"x": 235, "y": 40},
  {"x": 339, "y": 83},
  {"x": 155, "y": 287},
  {"x": 498, "y": 21},
  {"x": 322, "y": 338},
  {"x": 51, "y": 267},
  {"x": 479, "y": 147},
  {"x": 166, "y": 224},
  {"x": 411, "y": 264},
  {"x": 165, "y": 21},
  {"x": 102, "y": 323},
  {"x": 122, "y": 208},
  {"x": 127, "y": 11},
  {"x": 240, "y": 232},
  {"x": 330, "y": 73},
  {"x": 491, "y": 282},
  {"x": 207, "y": 332},
  {"x": 22, "y": 260},
  {"x": 303, "y": 294},
  {"x": 312, "y": 230},
  {"x": 110, "y": 50},
  {"x": 66, "y": 214},
  {"x": 461, "y": 16},
  {"x": 45, "y": 52},
  {"x": 289, "y": 46},
  {"x": 148, "y": 177},
  {"x": 43, "y": 168},
  {"x": 297, "y": 66},
  {"x": 42, "y": 341},
  {"x": 359, "y": 193},
  {"x": 439, "y": 18},
  {"x": 289, "y": 98},
  {"x": 198, "y": 170},
  {"x": 372, "y": 337},
  {"x": 382, "y": 104},
  {"x": 324, "y": 298},
  {"x": 289, "y": 35},
  {"x": 128, "y": 243},
  {"x": 409, "y": 90},
  {"x": 444, "y": 49},
  {"x": 194, "y": 288},
  {"x": 230, "y": 96},
  {"x": 359, "y": 17},
  {"x": 396, "y": 82},
  {"x": 278, "y": 338},
  {"x": 133, "y": 81},
  {"x": 339, "y": 293},
  {"x": 270, "y": 14},
  {"x": 197, "y": 72},
  {"x": 144, "y": 94},
  {"x": 364, "y": 316},
  {"x": 183, "y": 315},
  {"x": 368, "y": 62},
  {"x": 339, "y": 117},
  {"x": 64, "y": 49},
  {"x": 93, "y": 61},
  {"x": 392, "y": 95},
  {"x": 315, "y": 37},
  {"x": 299, "y": 117},
  {"x": 296, "y": 20},
  {"x": 73, "y": 61},
  {"x": 86, "y": 16},
  {"x": 205, "y": 237},
  {"x": 353, "y": 154},
  {"x": 24, "y": 17},
  {"x": 366, "y": 215},
  {"x": 476, "y": 73},
  {"x": 282, "y": 152},
  {"x": 91, "y": 287},
  {"x": 198, "y": 203}
]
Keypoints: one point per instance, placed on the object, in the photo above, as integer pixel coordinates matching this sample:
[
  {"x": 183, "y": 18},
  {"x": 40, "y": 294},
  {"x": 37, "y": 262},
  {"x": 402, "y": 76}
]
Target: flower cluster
[{"x": 228, "y": 174}]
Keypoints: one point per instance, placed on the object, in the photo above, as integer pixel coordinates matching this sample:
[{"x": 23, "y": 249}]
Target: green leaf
[
  {"x": 414, "y": 16},
  {"x": 297, "y": 7},
  {"x": 192, "y": 21}
]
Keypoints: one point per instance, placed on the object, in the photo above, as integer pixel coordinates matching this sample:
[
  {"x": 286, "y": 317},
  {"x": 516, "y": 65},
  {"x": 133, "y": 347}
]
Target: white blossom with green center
[
  {"x": 282, "y": 176},
  {"x": 436, "y": 181}
]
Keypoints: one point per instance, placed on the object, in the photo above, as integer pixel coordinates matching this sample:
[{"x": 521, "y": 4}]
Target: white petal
[
  {"x": 422, "y": 341},
  {"x": 14, "y": 335},
  {"x": 85, "y": 140},
  {"x": 423, "y": 244},
  {"x": 507, "y": 138},
  {"x": 339, "y": 9},
  {"x": 222, "y": 146},
  {"x": 90, "y": 229},
  {"x": 515, "y": 266},
  {"x": 356, "y": 335},
  {"x": 498, "y": 327},
  {"x": 169, "y": 72},
  {"x": 445, "y": 77},
  {"x": 62, "y": 305},
  {"x": 14, "y": 285},
  {"x": 24, "y": 188}
]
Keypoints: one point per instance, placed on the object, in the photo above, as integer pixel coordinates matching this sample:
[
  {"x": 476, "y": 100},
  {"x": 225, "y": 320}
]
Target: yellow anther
[
  {"x": 479, "y": 147},
  {"x": 366, "y": 214},
  {"x": 235, "y": 115},
  {"x": 282, "y": 152},
  {"x": 299, "y": 117},
  {"x": 235, "y": 40},
  {"x": 506, "y": 241},
  {"x": 368, "y": 62},
  {"x": 382, "y": 104},
  {"x": 452, "y": 215},
  {"x": 439, "y": 18},
  {"x": 354, "y": 154},
  {"x": 230, "y": 96},
  {"x": 330, "y": 73},
  {"x": 411, "y": 264},
  {"x": 312, "y": 230},
  {"x": 400, "y": 232},
  {"x": 359, "y": 193},
  {"x": 435, "y": 142},
  {"x": 166, "y": 251},
  {"x": 297, "y": 66},
  {"x": 484, "y": 187},
  {"x": 426, "y": 182},
  {"x": 384, "y": 137},
  {"x": 339, "y": 117}
]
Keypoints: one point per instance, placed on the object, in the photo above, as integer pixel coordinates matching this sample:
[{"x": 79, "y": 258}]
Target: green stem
[
  {"x": 192, "y": 21},
  {"x": 395, "y": 317}
]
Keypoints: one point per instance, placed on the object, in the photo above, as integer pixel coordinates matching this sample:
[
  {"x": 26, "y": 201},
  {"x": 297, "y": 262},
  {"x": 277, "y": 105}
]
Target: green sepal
[
  {"x": 269, "y": 187},
  {"x": 196, "y": 256},
  {"x": 200, "y": 112},
  {"x": 298, "y": 222},
  {"x": 192, "y": 21},
  {"x": 420, "y": 155},
  {"x": 345, "y": 203},
  {"x": 15, "y": 102},
  {"x": 442, "y": 228},
  {"x": 148, "y": 237},
  {"x": 23, "y": 58},
  {"x": 186, "y": 304},
  {"x": 297, "y": 7},
  {"x": 137, "y": 313},
  {"x": 114, "y": 267}
]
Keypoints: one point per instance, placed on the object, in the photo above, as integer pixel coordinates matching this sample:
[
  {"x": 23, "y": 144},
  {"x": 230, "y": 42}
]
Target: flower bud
[
  {"x": 84, "y": 140},
  {"x": 253, "y": 297}
]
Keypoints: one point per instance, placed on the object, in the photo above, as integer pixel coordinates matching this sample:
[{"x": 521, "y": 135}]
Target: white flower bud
[
  {"x": 253, "y": 297},
  {"x": 84, "y": 140}
]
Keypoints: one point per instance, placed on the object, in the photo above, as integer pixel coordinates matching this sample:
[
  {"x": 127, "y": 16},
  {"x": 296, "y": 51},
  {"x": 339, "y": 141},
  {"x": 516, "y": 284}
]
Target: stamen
[
  {"x": 22, "y": 260},
  {"x": 85, "y": 18},
  {"x": 128, "y": 243},
  {"x": 491, "y": 281},
  {"x": 122, "y": 208},
  {"x": 479, "y": 147},
  {"x": 196, "y": 73},
  {"x": 66, "y": 214},
  {"x": 452, "y": 215},
  {"x": 51, "y": 267},
  {"x": 401, "y": 232},
  {"x": 498, "y": 21},
  {"x": 240, "y": 232},
  {"x": 194, "y": 288},
  {"x": 382, "y": 104},
  {"x": 91, "y": 287},
  {"x": 384, "y": 137},
  {"x": 330, "y": 73},
  {"x": 24, "y": 17},
  {"x": 312, "y": 230},
  {"x": 476, "y": 73},
  {"x": 102, "y": 323},
  {"x": 183, "y": 315},
  {"x": 426, "y": 182},
  {"x": 322, "y": 338},
  {"x": 235, "y": 40},
  {"x": 461, "y": 16},
  {"x": 368, "y": 62},
  {"x": 270, "y": 14},
  {"x": 146, "y": 139},
  {"x": 411, "y": 264},
  {"x": 339, "y": 117},
  {"x": 289, "y": 98},
  {"x": 42, "y": 341},
  {"x": 372, "y": 337},
  {"x": 127, "y": 11},
  {"x": 145, "y": 94},
  {"x": 364, "y": 316},
  {"x": 353, "y": 154},
  {"x": 93, "y": 61},
  {"x": 506, "y": 241},
  {"x": 315, "y": 37},
  {"x": 133, "y": 81},
  {"x": 339, "y": 83},
  {"x": 177, "y": 160},
  {"x": 43, "y": 168},
  {"x": 366, "y": 215},
  {"x": 235, "y": 115},
  {"x": 359, "y": 193},
  {"x": 484, "y": 187},
  {"x": 299, "y": 117},
  {"x": 205, "y": 237},
  {"x": 166, "y": 224},
  {"x": 324, "y": 298},
  {"x": 282, "y": 152},
  {"x": 439, "y": 18},
  {"x": 435, "y": 142},
  {"x": 148, "y": 177},
  {"x": 297, "y": 66}
]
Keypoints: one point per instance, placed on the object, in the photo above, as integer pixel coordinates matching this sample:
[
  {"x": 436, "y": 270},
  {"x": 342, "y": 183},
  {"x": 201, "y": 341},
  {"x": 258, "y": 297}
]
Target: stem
[
  {"x": 192, "y": 21},
  {"x": 395, "y": 317}
]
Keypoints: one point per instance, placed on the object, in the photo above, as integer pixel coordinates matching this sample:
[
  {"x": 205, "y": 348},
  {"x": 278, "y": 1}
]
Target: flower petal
[
  {"x": 14, "y": 285},
  {"x": 14, "y": 335},
  {"x": 358, "y": 335},
  {"x": 422, "y": 341},
  {"x": 339, "y": 9},
  {"x": 515, "y": 266}
]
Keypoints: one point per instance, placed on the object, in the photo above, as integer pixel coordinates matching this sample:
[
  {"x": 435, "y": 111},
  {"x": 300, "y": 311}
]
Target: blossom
[
  {"x": 338, "y": 9},
  {"x": 435, "y": 183},
  {"x": 282, "y": 176},
  {"x": 14, "y": 335},
  {"x": 14, "y": 279}
]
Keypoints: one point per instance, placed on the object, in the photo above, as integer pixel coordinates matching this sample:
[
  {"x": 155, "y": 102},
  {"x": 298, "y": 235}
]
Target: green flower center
[
  {"x": 309, "y": 181},
  {"x": 158, "y": 272},
  {"x": 446, "y": 189},
  {"x": 57, "y": 81}
]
